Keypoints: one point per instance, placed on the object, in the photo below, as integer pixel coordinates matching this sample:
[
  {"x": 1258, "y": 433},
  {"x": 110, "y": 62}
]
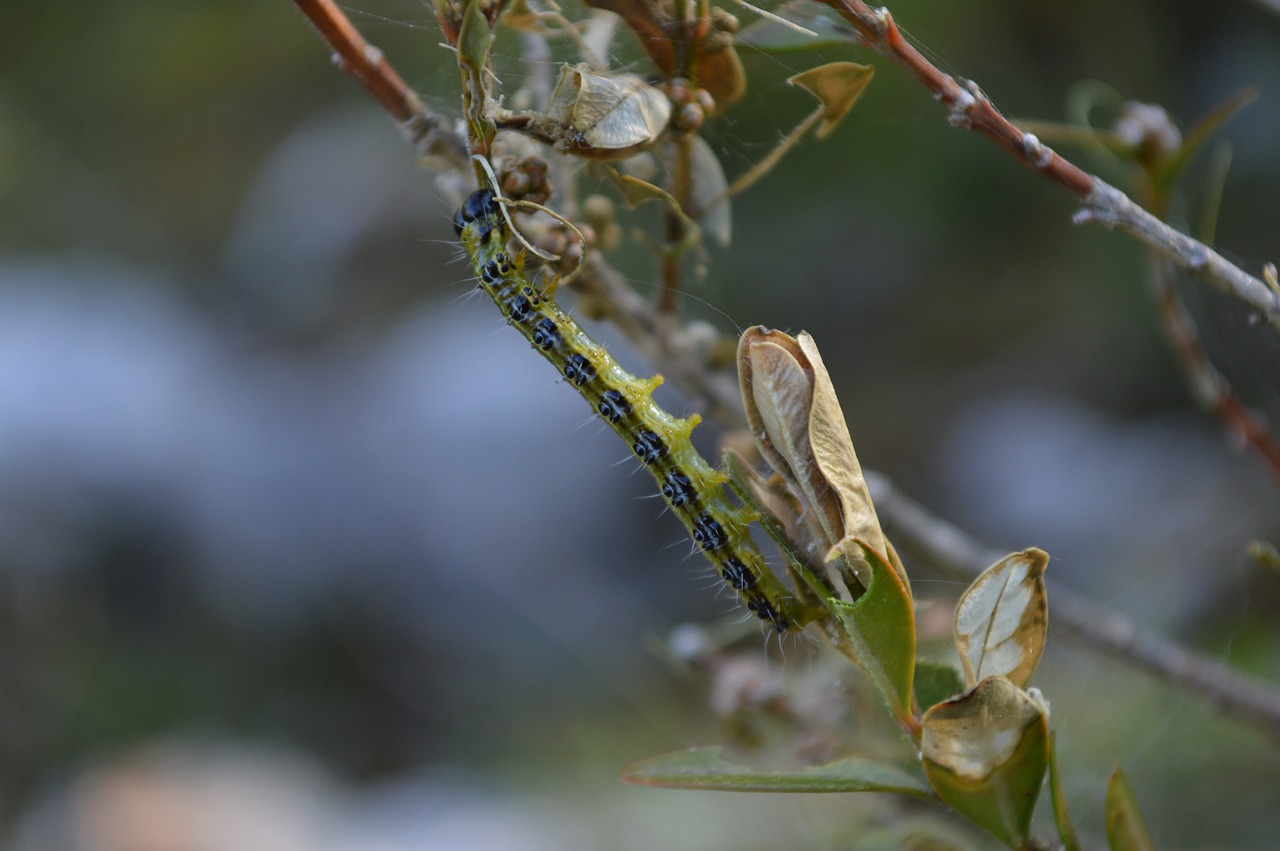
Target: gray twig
[{"x": 1111, "y": 208}]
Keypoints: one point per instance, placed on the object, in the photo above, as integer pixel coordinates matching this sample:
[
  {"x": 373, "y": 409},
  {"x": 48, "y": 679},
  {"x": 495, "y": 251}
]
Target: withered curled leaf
[
  {"x": 800, "y": 428},
  {"x": 838, "y": 85},
  {"x": 985, "y": 753},
  {"x": 604, "y": 116}
]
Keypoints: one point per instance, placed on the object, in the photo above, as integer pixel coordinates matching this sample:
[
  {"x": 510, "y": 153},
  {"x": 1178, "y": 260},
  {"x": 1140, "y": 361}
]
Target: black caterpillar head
[{"x": 480, "y": 204}]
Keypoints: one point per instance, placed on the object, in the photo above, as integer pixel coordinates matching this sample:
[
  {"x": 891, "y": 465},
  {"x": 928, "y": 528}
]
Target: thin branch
[
  {"x": 969, "y": 107},
  {"x": 1111, "y": 208},
  {"x": 1104, "y": 204},
  {"x": 1209, "y": 387},
  {"x": 430, "y": 134},
  {"x": 953, "y": 550}
]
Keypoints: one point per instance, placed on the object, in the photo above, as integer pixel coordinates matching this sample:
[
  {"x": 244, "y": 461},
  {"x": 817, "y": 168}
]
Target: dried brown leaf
[
  {"x": 838, "y": 85},
  {"x": 798, "y": 423},
  {"x": 604, "y": 116},
  {"x": 1001, "y": 620}
]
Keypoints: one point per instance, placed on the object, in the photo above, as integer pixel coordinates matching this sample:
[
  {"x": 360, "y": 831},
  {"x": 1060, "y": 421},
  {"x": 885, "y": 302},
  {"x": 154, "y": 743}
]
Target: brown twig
[
  {"x": 1104, "y": 204},
  {"x": 953, "y": 550},
  {"x": 1210, "y": 388},
  {"x": 668, "y": 298},
  {"x": 969, "y": 107},
  {"x": 429, "y": 134}
]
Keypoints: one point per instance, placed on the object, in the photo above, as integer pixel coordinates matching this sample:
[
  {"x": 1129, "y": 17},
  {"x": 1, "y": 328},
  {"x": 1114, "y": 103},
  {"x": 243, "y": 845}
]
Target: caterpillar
[{"x": 691, "y": 487}]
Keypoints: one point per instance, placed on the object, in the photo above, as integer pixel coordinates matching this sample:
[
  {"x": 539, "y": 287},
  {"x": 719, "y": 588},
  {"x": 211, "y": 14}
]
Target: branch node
[
  {"x": 961, "y": 102},
  {"x": 1086, "y": 216},
  {"x": 1035, "y": 151},
  {"x": 1197, "y": 257}
]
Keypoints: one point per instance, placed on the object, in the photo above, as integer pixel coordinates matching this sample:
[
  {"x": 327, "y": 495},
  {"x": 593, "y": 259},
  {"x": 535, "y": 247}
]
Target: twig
[
  {"x": 969, "y": 107},
  {"x": 1104, "y": 204},
  {"x": 1209, "y": 387},
  {"x": 1111, "y": 208},
  {"x": 953, "y": 550},
  {"x": 429, "y": 134}
]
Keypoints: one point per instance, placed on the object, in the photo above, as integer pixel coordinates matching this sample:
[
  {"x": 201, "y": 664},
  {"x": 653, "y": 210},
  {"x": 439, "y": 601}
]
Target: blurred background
[{"x": 301, "y": 548}]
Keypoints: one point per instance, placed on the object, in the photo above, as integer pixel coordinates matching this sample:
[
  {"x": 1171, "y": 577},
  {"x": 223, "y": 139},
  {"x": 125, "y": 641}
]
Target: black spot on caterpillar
[
  {"x": 693, "y": 489},
  {"x": 677, "y": 489}
]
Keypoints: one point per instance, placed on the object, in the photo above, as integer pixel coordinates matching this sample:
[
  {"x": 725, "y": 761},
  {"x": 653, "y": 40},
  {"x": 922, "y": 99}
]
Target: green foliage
[
  {"x": 1061, "y": 817},
  {"x": 707, "y": 768},
  {"x": 935, "y": 682},
  {"x": 1126, "y": 831},
  {"x": 880, "y": 627}
]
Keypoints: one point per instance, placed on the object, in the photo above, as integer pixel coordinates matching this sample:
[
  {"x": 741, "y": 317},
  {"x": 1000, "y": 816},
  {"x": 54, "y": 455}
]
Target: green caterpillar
[{"x": 693, "y": 489}]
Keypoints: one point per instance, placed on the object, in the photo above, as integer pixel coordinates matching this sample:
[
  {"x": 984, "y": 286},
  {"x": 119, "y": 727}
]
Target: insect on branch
[{"x": 665, "y": 343}]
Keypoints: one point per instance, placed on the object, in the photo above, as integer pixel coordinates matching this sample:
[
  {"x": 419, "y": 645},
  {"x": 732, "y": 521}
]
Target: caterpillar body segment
[{"x": 692, "y": 488}]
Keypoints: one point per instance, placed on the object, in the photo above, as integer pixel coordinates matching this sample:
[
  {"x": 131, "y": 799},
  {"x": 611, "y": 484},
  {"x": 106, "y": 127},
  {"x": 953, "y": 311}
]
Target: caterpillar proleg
[{"x": 693, "y": 489}]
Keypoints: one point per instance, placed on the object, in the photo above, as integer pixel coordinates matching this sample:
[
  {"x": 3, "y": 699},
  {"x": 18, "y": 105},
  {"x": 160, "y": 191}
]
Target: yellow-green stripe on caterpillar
[{"x": 693, "y": 489}]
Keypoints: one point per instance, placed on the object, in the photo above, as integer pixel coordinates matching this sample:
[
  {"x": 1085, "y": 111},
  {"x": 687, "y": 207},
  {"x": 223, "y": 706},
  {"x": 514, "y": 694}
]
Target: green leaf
[
  {"x": 880, "y": 624},
  {"x": 474, "y": 37},
  {"x": 1001, "y": 619},
  {"x": 985, "y": 754},
  {"x": 935, "y": 682},
  {"x": 1126, "y": 830},
  {"x": 1066, "y": 831},
  {"x": 706, "y": 768}
]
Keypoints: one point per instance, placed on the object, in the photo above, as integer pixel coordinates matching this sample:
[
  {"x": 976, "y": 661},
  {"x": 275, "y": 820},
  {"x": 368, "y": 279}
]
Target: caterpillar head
[{"x": 481, "y": 206}]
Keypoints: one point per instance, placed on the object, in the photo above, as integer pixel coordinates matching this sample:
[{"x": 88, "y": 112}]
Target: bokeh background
[{"x": 301, "y": 548}]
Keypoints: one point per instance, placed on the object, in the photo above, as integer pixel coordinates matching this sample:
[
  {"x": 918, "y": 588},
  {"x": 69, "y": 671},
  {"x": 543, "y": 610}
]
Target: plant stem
[
  {"x": 429, "y": 134},
  {"x": 1104, "y": 204}
]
